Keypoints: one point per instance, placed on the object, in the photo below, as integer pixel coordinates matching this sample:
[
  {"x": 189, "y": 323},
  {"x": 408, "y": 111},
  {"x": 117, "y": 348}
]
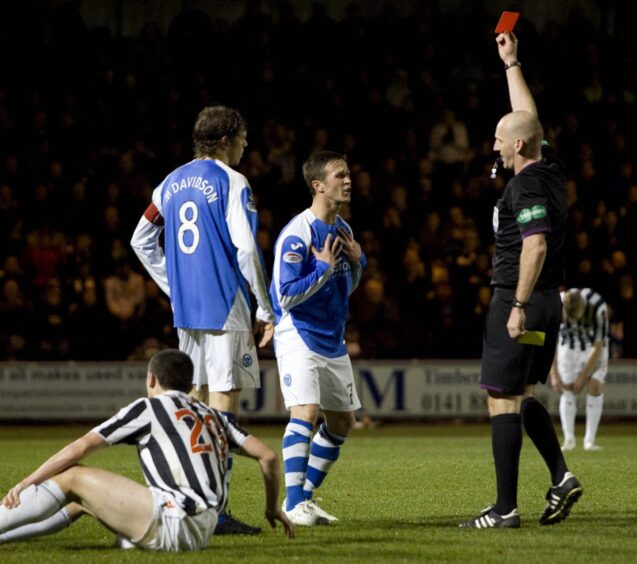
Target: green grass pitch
[{"x": 399, "y": 491}]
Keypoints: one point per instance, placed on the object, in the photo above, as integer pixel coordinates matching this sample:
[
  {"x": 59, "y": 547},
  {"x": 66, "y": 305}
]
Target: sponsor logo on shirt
[
  {"x": 342, "y": 267},
  {"x": 527, "y": 214},
  {"x": 295, "y": 246},
  {"x": 287, "y": 380},
  {"x": 292, "y": 257}
]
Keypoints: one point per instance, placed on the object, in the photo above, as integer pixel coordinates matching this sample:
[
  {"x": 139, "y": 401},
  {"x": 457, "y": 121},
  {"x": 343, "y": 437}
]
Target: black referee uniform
[{"x": 533, "y": 201}]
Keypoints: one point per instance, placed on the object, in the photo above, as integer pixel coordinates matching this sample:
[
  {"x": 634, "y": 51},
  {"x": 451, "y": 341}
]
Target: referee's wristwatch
[{"x": 518, "y": 303}]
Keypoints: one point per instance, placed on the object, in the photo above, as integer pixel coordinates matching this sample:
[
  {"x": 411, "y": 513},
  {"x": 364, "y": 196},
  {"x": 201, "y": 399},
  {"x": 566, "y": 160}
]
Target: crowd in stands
[{"x": 90, "y": 123}]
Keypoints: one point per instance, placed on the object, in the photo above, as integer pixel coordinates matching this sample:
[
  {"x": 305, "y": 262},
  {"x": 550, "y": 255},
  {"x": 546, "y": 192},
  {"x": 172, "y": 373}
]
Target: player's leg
[
  {"x": 52, "y": 524},
  {"x": 594, "y": 407},
  {"x": 326, "y": 447},
  {"x": 299, "y": 380},
  {"x": 192, "y": 343},
  {"x": 230, "y": 364},
  {"x": 122, "y": 505},
  {"x": 569, "y": 364},
  {"x": 296, "y": 452},
  {"x": 339, "y": 400},
  {"x": 228, "y": 404},
  {"x": 568, "y": 413}
]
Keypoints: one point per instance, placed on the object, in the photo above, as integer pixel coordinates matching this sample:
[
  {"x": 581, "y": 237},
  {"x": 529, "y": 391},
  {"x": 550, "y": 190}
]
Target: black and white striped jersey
[
  {"x": 591, "y": 328},
  {"x": 182, "y": 445}
]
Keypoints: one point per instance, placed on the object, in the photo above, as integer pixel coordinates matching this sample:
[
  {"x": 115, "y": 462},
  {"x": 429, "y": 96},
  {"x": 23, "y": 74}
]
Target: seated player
[{"x": 183, "y": 448}]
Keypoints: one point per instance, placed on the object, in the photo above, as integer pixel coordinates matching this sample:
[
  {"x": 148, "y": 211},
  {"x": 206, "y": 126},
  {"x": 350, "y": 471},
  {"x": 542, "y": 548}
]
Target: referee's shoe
[
  {"x": 489, "y": 519},
  {"x": 560, "y": 499}
]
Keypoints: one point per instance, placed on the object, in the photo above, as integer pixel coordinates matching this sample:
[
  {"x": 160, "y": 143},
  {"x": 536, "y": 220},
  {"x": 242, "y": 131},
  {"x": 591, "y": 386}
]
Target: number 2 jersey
[
  {"x": 310, "y": 298},
  {"x": 210, "y": 256},
  {"x": 182, "y": 446}
]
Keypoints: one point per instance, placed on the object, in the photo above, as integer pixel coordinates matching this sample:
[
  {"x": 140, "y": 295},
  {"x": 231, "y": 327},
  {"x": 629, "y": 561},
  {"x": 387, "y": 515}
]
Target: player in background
[
  {"x": 317, "y": 265},
  {"x": 183, "y": 449},
  {"x": 529, "y": 223},
  {"x": 581, "y": 361},
  {"x": 209, "y": 263}
]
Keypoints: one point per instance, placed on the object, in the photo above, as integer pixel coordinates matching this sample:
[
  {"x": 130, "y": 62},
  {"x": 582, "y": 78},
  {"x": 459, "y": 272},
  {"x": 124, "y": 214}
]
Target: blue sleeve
[{"x": 299, "y": 274}]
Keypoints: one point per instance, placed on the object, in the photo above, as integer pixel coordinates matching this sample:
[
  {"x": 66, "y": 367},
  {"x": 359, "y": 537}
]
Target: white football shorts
[
  {"x": 571, "y": 362},
  {"x": 173, "y": 530},
  {"x": 309, "y": 378},
  {"x": 223, "y": 360}
]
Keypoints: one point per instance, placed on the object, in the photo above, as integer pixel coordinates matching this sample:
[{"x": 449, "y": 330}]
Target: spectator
[{"x": 70, "y": 180}]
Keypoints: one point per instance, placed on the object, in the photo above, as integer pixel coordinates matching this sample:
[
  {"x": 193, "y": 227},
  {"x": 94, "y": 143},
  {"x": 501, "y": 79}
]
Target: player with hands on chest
[{"x": 318, "y": 264}]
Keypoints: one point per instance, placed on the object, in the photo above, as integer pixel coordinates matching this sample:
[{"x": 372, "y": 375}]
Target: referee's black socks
[
  {"x": 539, "y": 427},
  {"x": 506, "y": 442}
]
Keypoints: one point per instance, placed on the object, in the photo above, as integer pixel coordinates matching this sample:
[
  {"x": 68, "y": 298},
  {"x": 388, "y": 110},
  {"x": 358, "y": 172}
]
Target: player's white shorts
[
  {"x": 310, "y": 378},
  {"x": 172, "y": 529},
  {"x": 223, "y": 360},
  {"x": 571, "y": 362}
]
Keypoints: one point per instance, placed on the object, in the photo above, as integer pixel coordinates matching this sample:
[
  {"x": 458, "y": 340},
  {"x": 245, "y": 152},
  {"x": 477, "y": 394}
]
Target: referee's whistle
[{"x": 494, "y": 168}]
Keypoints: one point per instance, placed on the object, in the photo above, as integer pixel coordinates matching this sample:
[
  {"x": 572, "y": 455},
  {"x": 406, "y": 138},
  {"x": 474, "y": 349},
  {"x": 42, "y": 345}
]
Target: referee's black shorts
[{"x": 507, "y": 366}]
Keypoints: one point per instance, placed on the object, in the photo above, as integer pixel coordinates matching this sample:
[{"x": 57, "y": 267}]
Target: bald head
[{"x": 526, "y": 127}]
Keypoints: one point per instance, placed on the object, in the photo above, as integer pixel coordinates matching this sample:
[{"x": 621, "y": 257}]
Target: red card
[{"x": 507, "y": 21}]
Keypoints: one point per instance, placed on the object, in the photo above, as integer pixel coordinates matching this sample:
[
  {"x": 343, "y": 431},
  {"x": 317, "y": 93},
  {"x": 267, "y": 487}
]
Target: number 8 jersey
[{"x": 211, "y": 255}]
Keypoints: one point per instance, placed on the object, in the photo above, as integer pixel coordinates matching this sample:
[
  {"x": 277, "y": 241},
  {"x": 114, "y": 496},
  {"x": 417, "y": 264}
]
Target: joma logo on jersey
[
  {"x": 528, "y": 214},
  {"x": 295, "y": 246}
]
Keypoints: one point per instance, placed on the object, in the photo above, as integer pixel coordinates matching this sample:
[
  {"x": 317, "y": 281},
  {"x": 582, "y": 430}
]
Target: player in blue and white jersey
[
  {"x": 581, "y": 360},
  {"x": 183, "y": 448},
  {"x": 209, "y": 263},
  {"x": 317, "y": 265}
]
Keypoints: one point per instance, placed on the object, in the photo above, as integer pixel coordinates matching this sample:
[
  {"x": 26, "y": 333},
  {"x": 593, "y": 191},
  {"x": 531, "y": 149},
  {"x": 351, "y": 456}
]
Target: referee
[{"x": 529, "y": 222}]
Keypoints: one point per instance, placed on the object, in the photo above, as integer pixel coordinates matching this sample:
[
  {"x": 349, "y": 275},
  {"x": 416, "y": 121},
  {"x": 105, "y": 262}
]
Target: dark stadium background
[{"x": 96, "y": 104}]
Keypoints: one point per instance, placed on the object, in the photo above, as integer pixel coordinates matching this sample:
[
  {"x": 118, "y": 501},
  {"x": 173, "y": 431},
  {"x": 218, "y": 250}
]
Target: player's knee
[
  {"x": 69, "y": 479},
  {"x": 307, "y": 413},
  {"x": 595, "y": 387}
]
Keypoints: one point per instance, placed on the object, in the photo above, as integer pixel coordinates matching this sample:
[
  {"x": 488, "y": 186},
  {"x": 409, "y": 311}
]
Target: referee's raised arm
[{"x": 519, "y": 93}]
